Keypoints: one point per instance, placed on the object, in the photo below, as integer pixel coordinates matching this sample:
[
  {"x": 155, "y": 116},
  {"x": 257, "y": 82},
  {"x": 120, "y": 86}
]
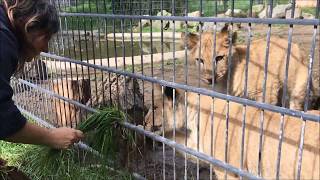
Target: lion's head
[{"x": 202, "y": 52}]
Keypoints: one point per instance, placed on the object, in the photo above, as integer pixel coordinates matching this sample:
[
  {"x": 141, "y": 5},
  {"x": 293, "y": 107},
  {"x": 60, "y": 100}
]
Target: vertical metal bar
[
  {"x": 174, "y": 91},
  {"x": 293, "y": 6},
  {"x": 250, "y": 8},
  {"x": 143, "y": 86},
  {"x": 75, "y": 56},
  {"x": 93, "y": 51},
  {"x": 107, "y": 47},
  {"x": 214, "y": 64},
  {"x": 245, "y": 96},
  {"x": 230, "y": 34},
  {"x": 284, "y": 100},
  {"x": 66, "y": 74},
  {"x": 80, "y": 46},
  {"x": 232, "y": 8},
  {"x": 264, "y": 93},
  {"x": 216, "y": 8},
  {"x": 186, "y": 72},
  {"x": 62, "y": 84},
  {"x": 134, "y": 89},
  {"x": 152, "y": 75},
  {"x": 162, "y": 95},
  {"x": 86, "y": 43},
  {"x": 306, "y": 102},
  {"x": 69, "y": 50},
  {"x": 198, "y": 99},
  {"x": 115, "y": 49},
  {"x": 317, "y": 10}
]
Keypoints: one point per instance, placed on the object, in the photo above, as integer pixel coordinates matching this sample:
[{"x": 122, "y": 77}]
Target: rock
[
  {"x": 280, "y": 10},
  {"x": 166, "y": 24},
  {"x": 236, "y": 12},
  {"x": 145, "y": 22},
  {"x": 194, "y": 14},
  {"x": 262, "y": 14},
  {"x": 209, "y": 26},
  {"x": 307, "y": 16},
  {"x": 297, "y": 14},
  {"x": 191, "y": 24},
  {"x": 257, "y": 8},
  {"x": 164, "y": 13}
]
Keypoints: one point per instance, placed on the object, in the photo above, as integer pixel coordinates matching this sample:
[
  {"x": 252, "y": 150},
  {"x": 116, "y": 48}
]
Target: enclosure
[{"x": 118, "y": 52}]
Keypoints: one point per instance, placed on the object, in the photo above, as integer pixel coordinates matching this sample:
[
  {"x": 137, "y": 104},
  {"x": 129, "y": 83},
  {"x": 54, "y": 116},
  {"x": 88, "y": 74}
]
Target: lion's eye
[
  {"x": 199, "y": 60},
  {"x": 219, "y": 58}
]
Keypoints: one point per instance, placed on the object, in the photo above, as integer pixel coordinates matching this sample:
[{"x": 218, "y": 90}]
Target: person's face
[{"x": 37, "y": 42}]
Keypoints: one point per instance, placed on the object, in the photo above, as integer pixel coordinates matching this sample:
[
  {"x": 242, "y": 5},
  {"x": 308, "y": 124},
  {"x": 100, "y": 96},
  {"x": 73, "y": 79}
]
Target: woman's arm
[{"x": 59, "y": 138}]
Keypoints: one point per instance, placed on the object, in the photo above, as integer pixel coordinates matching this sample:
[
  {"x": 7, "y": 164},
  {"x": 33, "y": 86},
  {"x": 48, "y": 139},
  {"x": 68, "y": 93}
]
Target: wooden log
[{"x": 79, "y": 90}]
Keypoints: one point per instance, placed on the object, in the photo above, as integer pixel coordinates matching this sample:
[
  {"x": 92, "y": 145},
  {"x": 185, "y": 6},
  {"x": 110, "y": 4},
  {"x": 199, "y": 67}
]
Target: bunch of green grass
[
  {"x": 104, "y": 133},
  {"x": 45, "y": 163}
]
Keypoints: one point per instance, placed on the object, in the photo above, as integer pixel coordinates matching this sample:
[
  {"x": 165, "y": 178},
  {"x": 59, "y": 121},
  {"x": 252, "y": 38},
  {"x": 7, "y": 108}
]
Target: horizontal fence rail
[
  {"x": 265, "y": 106},
  {"x": 314, "y": 22},
  {"x": 141, "y": 131}
]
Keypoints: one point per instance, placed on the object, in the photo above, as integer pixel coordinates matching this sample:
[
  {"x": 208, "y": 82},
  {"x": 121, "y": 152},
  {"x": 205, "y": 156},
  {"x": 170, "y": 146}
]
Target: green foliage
[
  {"x": 104, "y": 132},
  {"x": 310, "y": 10},
  {"x": 45, "y": 163}
]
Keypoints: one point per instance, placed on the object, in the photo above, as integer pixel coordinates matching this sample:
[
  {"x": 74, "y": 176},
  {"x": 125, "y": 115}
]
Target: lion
[
  {"x": 213, "y": 114},
  {"x": 297, "y": 72}
]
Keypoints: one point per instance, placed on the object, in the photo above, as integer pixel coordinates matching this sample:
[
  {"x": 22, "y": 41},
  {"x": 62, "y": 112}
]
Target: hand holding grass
[
  {"x": 63, "y": 138},
  {"x": 59, "y": 138}
]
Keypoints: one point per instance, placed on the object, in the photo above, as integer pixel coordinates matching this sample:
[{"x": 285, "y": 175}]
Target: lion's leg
[
  {"x": 271, "y": 95},
  {"x": 297, "y": 97}
]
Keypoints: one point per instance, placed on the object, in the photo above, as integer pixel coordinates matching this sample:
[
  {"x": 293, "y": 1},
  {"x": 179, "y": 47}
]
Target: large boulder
[
  {"x": 307, "y": 15},
  {"x": 191, "y": 24},
  {"x": 297, "y": 14},
  {"x": 256, "y": 9},
  {"x": 278, "y": 12},
  {"x": 236, "y": 13},
  {"x": 165, "y": 24}
]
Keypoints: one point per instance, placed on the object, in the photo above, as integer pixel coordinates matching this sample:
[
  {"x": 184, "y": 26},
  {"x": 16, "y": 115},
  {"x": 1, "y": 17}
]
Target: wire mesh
[{"x": 135, "y": 55}]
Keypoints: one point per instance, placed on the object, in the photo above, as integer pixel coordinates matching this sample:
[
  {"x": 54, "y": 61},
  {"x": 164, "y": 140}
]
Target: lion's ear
[
  {"x": 225, "y": 34},
  {"x": 190, "y": 39}
]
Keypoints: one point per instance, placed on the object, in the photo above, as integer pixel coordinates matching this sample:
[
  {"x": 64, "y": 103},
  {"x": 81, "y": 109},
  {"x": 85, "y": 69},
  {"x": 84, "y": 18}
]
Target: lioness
[
  {"x": 291, "y": 137},
  {"x": 297, "y": 76}
]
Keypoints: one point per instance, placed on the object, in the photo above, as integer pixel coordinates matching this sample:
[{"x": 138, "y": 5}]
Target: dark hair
[
  {"x": 35, "y": 15},
  {"x": 39, "y": 14}
]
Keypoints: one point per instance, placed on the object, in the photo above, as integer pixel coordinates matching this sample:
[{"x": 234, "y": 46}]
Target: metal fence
[{"x": 105, "y": 47}]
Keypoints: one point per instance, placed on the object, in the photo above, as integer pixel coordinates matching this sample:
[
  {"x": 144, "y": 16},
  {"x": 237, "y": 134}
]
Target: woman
[{"x": 26, "y": 26}]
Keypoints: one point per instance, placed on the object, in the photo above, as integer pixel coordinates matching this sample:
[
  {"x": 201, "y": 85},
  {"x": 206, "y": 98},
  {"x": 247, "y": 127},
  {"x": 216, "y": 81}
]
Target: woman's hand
[
  {"x": 63, "y": 138},
  {"x": 59, "y": 138}
]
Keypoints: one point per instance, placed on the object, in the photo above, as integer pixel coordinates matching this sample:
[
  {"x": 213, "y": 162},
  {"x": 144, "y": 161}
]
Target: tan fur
[
  {"x": 297, "y": 76},
  {"x": 290, "y": 145}
]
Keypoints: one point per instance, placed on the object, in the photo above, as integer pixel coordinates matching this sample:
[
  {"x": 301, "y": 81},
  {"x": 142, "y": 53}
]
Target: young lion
[
  {"x": 297, "y": 76},
  {"x": 310, "y": 168}
]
